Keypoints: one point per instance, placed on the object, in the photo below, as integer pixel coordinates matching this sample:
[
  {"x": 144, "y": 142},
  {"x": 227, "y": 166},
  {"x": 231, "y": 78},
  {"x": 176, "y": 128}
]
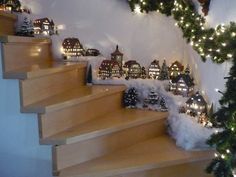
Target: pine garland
[{"x": 218, "y": 44}]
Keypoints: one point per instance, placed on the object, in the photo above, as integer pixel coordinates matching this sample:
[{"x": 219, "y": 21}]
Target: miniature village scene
[
  {"x": 156, "y": 87},
  {"x": 174, "y": 81}
]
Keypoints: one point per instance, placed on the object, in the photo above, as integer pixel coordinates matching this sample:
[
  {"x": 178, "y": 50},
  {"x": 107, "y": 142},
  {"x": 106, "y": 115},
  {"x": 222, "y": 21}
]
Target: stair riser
[
  {"x": 71, "y": 154},
  {"x": 21, "y": 54},
  {"x": 195, "y": 169},
  {"x": 57, "y": 121},
  {"x": 34, "y": 90},
  {"x": 9, "y": 24}
]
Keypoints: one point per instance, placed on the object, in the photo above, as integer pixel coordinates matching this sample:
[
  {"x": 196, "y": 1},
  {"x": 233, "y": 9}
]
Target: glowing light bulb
[
  {"x": 233, "y": 34},
  {"x": 223, "y": 44},
  {"x": 228, "y": 151},
  {"x": 137, "y": 9},
  {"x": 216, "y": 155},
  {"x": 229, "y": 55},
  {"x": 222, "y": 156}
]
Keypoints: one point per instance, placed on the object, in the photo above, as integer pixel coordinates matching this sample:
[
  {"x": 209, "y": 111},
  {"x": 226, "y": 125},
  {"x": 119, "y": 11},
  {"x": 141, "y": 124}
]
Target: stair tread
[
  {"x": 72, "y": 97},
  {"x": 23, "y": 39},
  {"x": 155, "y": 153},
  {"x": 42, "y": 69},
  {"x": 109, "y": 123}
]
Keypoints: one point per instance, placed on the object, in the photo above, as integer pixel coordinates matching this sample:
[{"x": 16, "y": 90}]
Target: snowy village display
[
  {"x": 117, "y": 56},
  {"x": 92, "y": 52},
  {"x": 196, "y": 105},
  {"x": 154, "y": 70},
  {"x": 26, "y": 28},
  {"x": 109, "y": 69},
  {"x": 72, "y": 47},
  {"x": 175, "y": 69},
  {"x": 130, "y": 98},
  {"x": 44, "y": 26},
  {"x": 182, "y": 84}
]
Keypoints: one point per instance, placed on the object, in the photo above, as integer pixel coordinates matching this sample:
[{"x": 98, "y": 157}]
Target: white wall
[
  {"x": 20, "y": 152},
  {"x": 104, "y": 23}
]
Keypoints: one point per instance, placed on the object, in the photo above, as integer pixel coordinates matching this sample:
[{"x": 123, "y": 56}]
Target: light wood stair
[
  {"x": 90, "y": 132},
  {"x": 159, "y": 152},
  {"x": 7, "y": 21}
]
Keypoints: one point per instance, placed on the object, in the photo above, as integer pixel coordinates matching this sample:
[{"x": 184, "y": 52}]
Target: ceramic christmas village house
[
  {"x": 182, "y": 84},
  {"x": 71, "y": 47},
  {"x": 154, "y": 70},
  {"x": 10, "y": 5},
  {"x": 132, "y": 69},
  {"x": 117, "y": 56},
  {"x": 109, "y": 69},
  {"x": 44, "y": 26},
  {"x": 196, "y": 105},
  {"x": 176, "y": 69}
]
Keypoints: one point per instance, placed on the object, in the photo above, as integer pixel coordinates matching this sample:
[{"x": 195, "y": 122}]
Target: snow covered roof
[
  {"x": 178, "y": 65},
  {"x": 198, "y": 99},
  {"x": 186, "y": 78},
  {"x": 72, "y": 43},
  {"x": 39, "y": 22},
  {"x": 108, "y": 64},
  {"x": 129, "y": 63},
  {"x": 155, "y": 64}
]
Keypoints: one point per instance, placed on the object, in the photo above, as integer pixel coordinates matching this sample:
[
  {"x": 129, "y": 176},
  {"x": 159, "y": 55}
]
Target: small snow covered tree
[
  {"x": 131, "y": 98},
  {"x": 26, "y": 28},
  {"x": 163, "y": 104},
  {"x": 152, "y": 97},
  {"x": 164, "y": 74},
  {"x": 143, "y": 73}
]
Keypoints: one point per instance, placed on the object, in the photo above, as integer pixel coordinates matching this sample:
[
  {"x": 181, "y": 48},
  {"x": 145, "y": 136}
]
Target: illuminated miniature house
[
  {"x": 44, "y": 26},
  {"x": 10, "y": 5},
  {"x": 154, "y": 70},
  {"x": 71, "y": 47},
  {"x": 182, "y": 85},
  {"x": 109, "y": 69},
  {"x": 132, "y": 69},
  {"x": 92, "y": 52},
  {"x": 196, "y": 105},
  {"x": 117, "y": 56},
  {"x": 176, "y": 69}
]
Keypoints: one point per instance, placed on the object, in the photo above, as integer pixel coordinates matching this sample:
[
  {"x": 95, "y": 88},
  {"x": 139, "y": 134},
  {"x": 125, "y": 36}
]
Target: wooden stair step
[
  {"x": 23, "y": 39},
  {"x": 109, "y": 123},
  {"x": 23, "y": 52},
  {"x": 7, "y": 21},
  {"x": 42, "y": 69},
  {"x": 159, "y": 152},
  {"x": 72, "y": 97}
]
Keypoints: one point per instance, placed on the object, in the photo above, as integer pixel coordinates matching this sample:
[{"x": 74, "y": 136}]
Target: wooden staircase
[{"x": 90, "y": 132}]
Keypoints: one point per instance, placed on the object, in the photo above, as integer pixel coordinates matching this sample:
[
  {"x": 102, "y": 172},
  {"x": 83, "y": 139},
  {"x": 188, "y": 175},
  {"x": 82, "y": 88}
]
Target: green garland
[{"x": 218, "y": 44}]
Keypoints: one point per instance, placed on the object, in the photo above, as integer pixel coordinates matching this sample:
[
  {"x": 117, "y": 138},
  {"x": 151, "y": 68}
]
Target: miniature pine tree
[
  {"x": 152, "y": 97},
  {"x": 143, "y": 73},
  {"x": 89, "y": 76},
  {"x": 163, "y": 104},
  {"x": 26, "y": 28},
  {"x": 164, "y": 74},
  {"x": 131, "y": 98}
]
